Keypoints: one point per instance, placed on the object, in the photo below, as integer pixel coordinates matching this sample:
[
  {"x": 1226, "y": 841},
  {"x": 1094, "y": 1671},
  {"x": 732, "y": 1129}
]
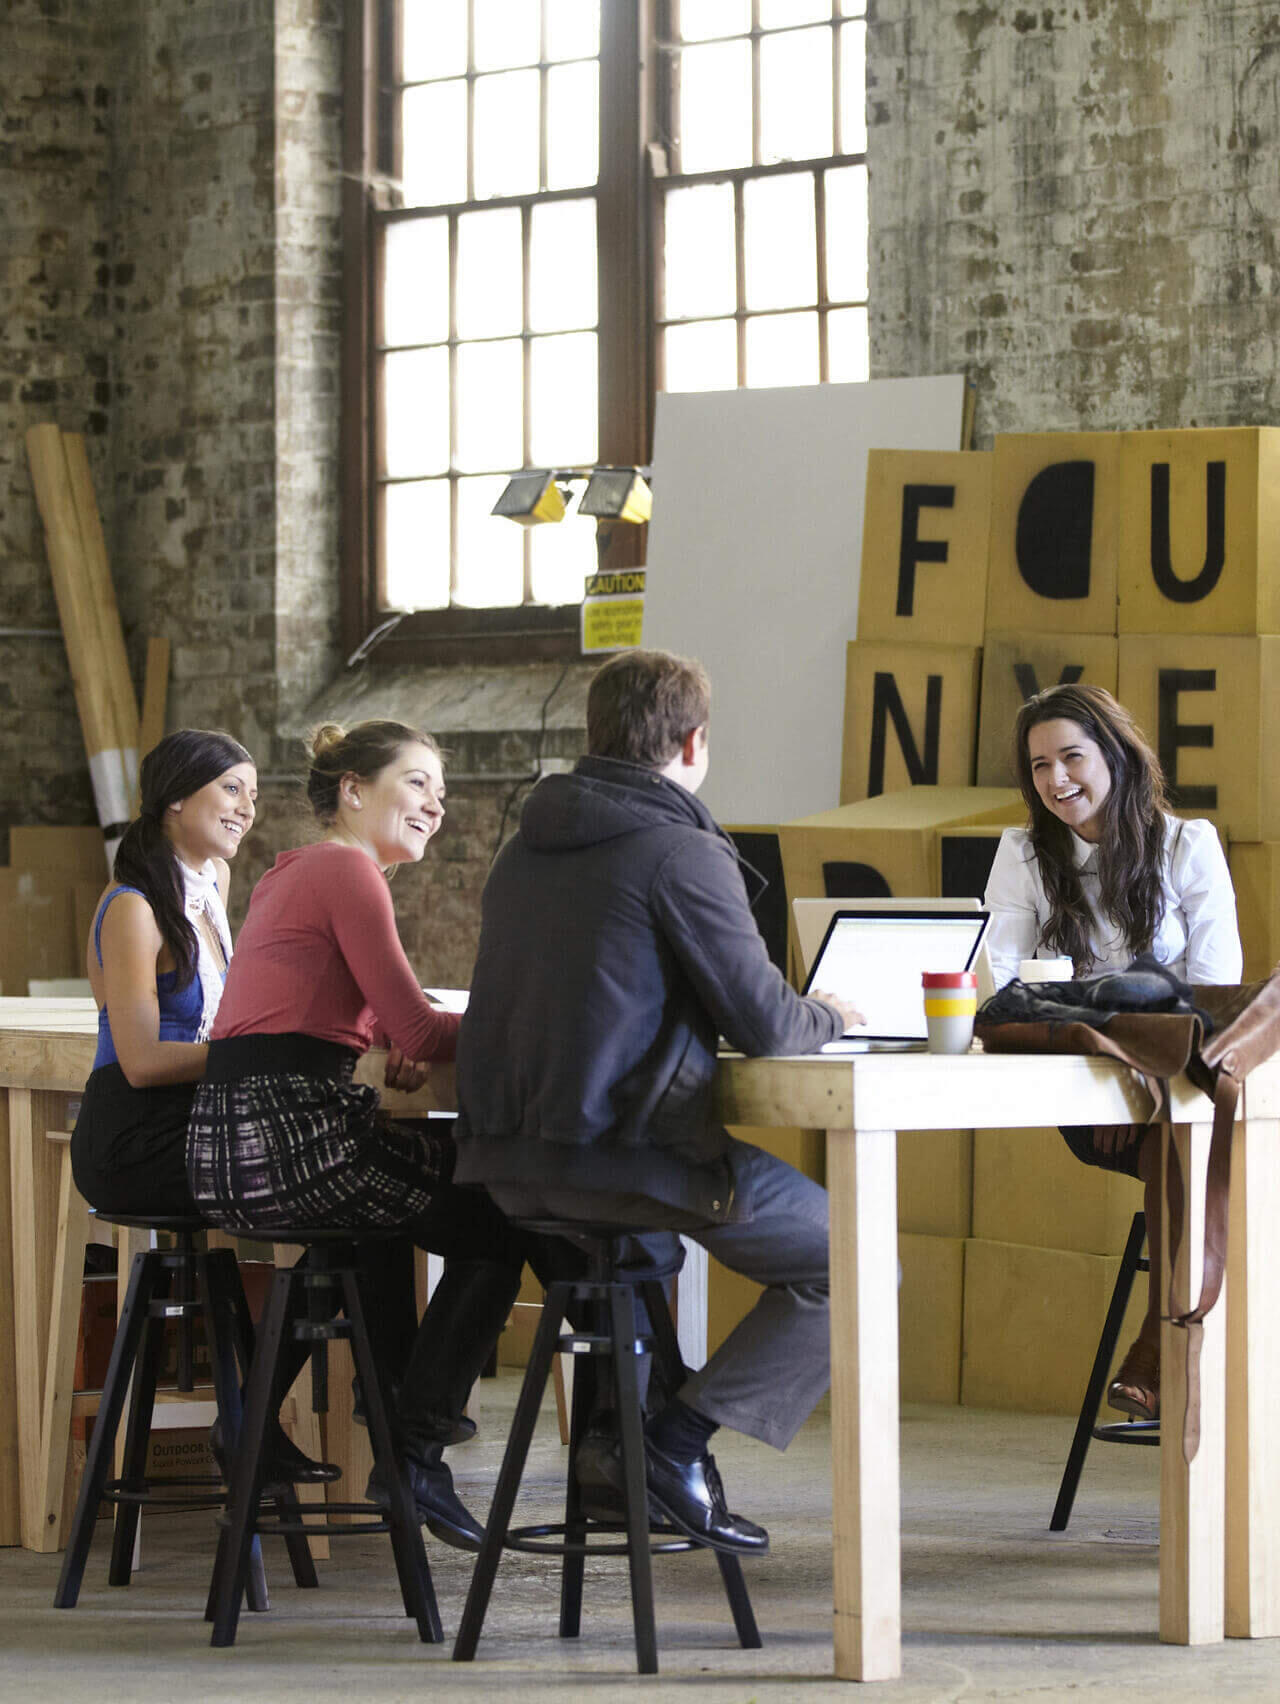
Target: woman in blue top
[{"x": 157, "y": 958}]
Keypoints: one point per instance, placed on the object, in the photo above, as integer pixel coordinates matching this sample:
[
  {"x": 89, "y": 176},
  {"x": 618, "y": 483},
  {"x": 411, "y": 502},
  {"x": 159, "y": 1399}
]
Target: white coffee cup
[{"x": 1046, "y": 970}]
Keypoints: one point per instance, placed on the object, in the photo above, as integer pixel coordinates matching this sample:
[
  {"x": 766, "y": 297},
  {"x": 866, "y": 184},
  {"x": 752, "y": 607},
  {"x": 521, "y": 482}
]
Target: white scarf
[{"x": 202, "y": 897}]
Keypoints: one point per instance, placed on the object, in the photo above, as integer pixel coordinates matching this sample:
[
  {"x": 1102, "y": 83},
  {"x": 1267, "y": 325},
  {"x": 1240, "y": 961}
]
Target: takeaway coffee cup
[
  {"x": 950, "y": 1001},
  {"x": 1046, "y": 970}
]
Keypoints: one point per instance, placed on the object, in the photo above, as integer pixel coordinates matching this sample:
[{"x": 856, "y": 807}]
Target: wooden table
[{"x": 1220, "y": 1514}]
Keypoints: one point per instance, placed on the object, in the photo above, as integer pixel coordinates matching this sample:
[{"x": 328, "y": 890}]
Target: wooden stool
[
  {"x": 1132, "y": 1261},
  {"x": 185, "y": 1284},
  {"x": 610, "y": 1293},
  {"x": 330, "y": 1280}
]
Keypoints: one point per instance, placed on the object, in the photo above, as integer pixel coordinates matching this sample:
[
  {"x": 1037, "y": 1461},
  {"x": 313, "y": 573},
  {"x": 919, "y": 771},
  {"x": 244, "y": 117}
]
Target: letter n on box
[{"x": 910, "y": 718}]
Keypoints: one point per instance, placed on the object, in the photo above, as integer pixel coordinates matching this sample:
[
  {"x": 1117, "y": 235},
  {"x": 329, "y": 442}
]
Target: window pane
[
  {"x": 563, "y": 382},
  {"x": 853, "y": 8},
  {"x": 573, "y": 125},
  {"x": 783, "y": 14},
  {"x": 781, "y": 248},
  {"x": 702, "y": 18},
  {"x": 416, "y": 421},
  {"x": 848, "y": 346},
  {"x": 795, "y": 96},
  {"x": 506, "y": 33},
  {"x": 415, "y": 288},
  {"x": 853, "y": 88},
  {"x": 506, "y": 156},
  {"x": 562, "y": 266},
  {"x": 490, "y": 389},
  {"x": 563, "y": 556},
  {"x": 846, "y": 196},
  {"x": 489, "y": 272},
  {"x": 490, "y": 549},
  {"x": 715, "y": 106},
  {"x": 435, "y": 144},
  {"x": 417, "y": 534},
  {"x": 573, "y": 28},
  {"x": 783, "y": 350},
  {"x": 699, "y": 252},
  {"x": 701, "y": 357},
  {"x": 435, "y": 39}
]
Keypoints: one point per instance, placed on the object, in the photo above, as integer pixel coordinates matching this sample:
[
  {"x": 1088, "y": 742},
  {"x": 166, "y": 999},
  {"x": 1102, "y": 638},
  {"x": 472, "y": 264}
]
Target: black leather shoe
[
  {"x": 598, "y": 1468},
  {"x": 283, "y": 1463},
  {"x": 691, "y": 1496},
  {"x": 438, "y": 1505},
  {"x": 460, "y": 1431}
]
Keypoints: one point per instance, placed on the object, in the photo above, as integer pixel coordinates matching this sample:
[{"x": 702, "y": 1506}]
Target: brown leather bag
[{"x": 1158, "y": 1046}]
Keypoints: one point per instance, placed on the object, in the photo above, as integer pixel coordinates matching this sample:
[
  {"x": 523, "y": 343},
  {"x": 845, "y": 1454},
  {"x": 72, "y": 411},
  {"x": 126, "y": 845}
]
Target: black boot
[
  {"x": 438, "y": 1505},
  {"x": 283, "y": 1463}
]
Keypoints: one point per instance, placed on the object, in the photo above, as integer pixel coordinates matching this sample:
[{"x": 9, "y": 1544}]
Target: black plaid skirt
[{"x": 281, "y": 1136}]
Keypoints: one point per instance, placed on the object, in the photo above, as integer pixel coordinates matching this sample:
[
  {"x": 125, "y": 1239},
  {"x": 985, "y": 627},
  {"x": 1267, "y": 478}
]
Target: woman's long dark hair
[
  {"x": 181, "y": 764},
  {"x": 1133, "y": 827}
]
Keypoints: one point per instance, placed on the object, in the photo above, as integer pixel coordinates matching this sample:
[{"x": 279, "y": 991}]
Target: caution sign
[{"x": 613, "y": 611}]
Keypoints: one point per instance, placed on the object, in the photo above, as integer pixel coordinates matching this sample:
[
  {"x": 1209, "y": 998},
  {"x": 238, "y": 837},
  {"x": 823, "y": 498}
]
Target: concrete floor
[{"x": 994, "y": 1607}]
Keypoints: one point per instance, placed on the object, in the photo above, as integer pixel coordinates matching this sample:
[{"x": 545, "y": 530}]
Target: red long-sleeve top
[{"x": 319, "y": 955}]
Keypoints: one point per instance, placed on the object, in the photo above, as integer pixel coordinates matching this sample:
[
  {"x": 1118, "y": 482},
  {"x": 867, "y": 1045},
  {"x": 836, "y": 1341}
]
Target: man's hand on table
[{"x": 848, "y": 1015}]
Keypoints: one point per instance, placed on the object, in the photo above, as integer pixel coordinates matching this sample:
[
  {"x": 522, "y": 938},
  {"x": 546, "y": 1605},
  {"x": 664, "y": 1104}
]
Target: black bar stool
[
  {"x": 610, "y": 1294},
  {"x": 186, "y": 1284},
  {"x": 327, "y": 1280},
  {"x": 1132, "y": 1261}
]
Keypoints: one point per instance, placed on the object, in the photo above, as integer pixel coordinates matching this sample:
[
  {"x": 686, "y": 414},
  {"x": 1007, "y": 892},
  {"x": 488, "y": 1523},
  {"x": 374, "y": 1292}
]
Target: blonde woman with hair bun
[{"x": 281, "y": 1136}]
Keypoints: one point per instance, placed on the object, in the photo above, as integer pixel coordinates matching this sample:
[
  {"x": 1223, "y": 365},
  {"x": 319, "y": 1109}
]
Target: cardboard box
[
  {"x": 1015, "y": 666},
  {"x": 1255, "y": 873},
  {"x": 1055, "y": 511},
  {"x": 886, "y": 846},
  {"x": 1198, "y": 522},
  {"x": 1211, "y": 706},
  {"x": 1029, "y": 1188},
  {"x": 930, "y": 1318},
  {"x": 1032, "y": 1320},
  {"x": 910, "y": 717},
  {"x": 925, "y": 527},
  {"x": 935, "y": 1182}
]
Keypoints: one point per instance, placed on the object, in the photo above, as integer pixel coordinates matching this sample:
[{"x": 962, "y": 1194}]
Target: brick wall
[{"x": 1077, "y": 205}]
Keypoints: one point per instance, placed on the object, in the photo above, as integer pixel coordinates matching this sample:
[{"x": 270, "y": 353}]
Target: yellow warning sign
[
  {"x": 620, "y": 581},
  {"x": 611, "y": 623}
]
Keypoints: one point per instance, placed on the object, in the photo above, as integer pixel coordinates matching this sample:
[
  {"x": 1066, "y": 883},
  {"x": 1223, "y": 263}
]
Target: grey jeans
[{"x": 768, "y": 1374}]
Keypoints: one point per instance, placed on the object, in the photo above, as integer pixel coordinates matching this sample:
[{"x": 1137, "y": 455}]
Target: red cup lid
[{"x": 950, "y": 979}]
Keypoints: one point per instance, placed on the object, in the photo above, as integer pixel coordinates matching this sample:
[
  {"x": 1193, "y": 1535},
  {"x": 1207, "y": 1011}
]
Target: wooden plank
[
  {"x": 10, "y": 1502},
  {"x": 1252, "y": 1608},
  {"x": 155, "y": 695},
  {"x": 861, "y": 1169},
  {"x": 113, "y": 658},
  {"x": 1192, "y": 1559},
  {"x": 60, "y": 1359}
]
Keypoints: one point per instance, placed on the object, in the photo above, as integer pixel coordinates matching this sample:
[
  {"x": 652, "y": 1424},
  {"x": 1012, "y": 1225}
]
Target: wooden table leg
[
  {"x": 60, "y": 1364},
  {"x": 1253, "y": 1378},
  {"x": 862, "y": 1183},
  {"x": 10, "y": 1498},
  {"x": 1192, "y": 1555},
  {"x": 34, "y": 1168}
]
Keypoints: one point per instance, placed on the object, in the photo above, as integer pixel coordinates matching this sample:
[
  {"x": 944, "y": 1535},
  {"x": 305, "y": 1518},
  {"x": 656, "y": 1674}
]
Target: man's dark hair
[{"x": 643, "y": 705}]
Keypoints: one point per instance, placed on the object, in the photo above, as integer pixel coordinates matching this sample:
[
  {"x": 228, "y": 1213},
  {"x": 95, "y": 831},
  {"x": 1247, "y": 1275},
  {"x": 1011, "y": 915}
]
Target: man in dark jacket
[{"x": 617, "y": 944}]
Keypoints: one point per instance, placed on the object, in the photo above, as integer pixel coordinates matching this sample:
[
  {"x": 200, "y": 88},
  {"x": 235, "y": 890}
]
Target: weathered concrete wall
[
  {"x": 1077, "y": 205},
  {"x": 55, "y": 207}
]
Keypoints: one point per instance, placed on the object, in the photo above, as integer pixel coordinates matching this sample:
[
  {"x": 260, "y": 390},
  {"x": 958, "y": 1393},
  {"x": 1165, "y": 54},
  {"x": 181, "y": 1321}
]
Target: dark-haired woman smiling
[{"x": 1102, "y": 873}]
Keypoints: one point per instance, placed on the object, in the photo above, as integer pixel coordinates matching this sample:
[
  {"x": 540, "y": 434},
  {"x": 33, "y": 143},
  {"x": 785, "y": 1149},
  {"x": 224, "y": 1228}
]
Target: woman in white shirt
[{"x": 1102, "y": 873}]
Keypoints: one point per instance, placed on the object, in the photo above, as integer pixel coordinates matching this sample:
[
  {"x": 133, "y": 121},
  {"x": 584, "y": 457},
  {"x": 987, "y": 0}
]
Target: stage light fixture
[
  {"x": 530, "y": 499},
  {"x": 617, "y": 494}
]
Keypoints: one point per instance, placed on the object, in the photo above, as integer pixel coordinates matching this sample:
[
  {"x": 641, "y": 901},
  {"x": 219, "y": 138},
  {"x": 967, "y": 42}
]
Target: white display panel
[{"x": 753, "y": 557}]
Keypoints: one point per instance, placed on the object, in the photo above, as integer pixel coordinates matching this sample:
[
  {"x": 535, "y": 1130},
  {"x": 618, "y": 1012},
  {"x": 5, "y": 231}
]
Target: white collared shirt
[{"x": 1197, "y": 938}]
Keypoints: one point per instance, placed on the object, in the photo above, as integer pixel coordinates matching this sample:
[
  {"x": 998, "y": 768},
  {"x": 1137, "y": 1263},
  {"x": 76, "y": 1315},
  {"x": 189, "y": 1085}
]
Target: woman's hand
[{"x": 405, "y": 1074}]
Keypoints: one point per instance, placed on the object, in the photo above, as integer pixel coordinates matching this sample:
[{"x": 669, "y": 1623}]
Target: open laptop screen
[{"x": 875, "y": 960}]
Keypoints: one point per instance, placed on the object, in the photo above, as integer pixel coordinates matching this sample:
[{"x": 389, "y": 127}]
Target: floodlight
[
  {"x": 617, "y": 494},
  {"x": 531, "y": 498}
]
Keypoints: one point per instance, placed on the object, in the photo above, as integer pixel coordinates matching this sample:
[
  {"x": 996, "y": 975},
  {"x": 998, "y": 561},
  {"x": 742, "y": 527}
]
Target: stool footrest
[
  {"x": 1129, "y": 1432},
  {"x": 527, "y": 1538}
]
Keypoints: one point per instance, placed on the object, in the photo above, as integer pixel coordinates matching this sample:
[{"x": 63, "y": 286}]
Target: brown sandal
[{"x": 1136, "y": 1387}]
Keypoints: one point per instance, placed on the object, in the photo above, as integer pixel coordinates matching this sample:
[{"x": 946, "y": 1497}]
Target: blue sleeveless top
[{"x": 180, "y": 1008}]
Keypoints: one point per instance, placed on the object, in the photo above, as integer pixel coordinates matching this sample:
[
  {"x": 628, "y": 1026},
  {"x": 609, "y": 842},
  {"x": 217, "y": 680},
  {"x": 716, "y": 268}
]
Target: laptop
[{"x": 875, "y": 957}]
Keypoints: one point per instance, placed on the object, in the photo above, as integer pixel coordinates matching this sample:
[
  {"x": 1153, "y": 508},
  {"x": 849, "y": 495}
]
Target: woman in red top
[{"x": 281, "y": 1136}]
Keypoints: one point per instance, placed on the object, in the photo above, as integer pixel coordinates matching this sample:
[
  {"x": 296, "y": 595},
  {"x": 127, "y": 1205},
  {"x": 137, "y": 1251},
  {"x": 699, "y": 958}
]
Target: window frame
[{"x": 635, "y": 172}]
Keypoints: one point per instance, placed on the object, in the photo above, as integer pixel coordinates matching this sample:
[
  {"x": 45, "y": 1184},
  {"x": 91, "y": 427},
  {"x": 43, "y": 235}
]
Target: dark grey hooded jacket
[{"x": 617, "y": 942}]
